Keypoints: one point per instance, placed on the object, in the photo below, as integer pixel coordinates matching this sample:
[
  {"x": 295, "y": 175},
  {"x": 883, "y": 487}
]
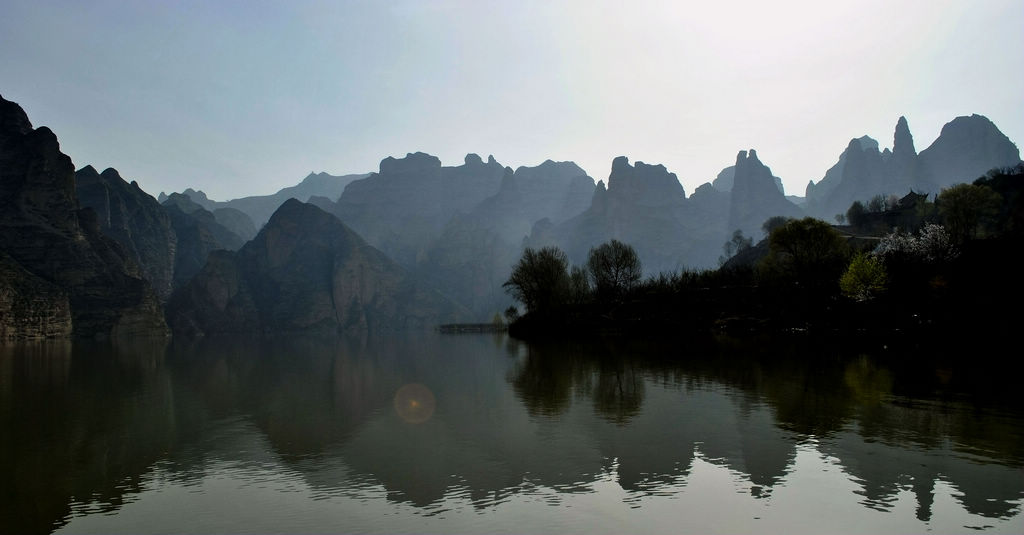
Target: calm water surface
[{"x": 479, "y": 433}]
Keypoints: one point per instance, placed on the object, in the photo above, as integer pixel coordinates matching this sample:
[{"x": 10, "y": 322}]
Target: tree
[
  {"x": 579, "y": 285},
  {"x": 809, "y": 250},
  {"x": 773, "y": 223},
  {"x": 736, "y": 245},
  {"x": 855, "y": 214},
  {"x": 967, "y": 209},
  {"x": 864, "y": 279},
  {"x": 540, "y": 280},
  {"x": 614, "y": 268}
]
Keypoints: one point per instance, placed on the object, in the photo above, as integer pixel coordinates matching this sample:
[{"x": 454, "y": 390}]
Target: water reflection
[{"x": 432, "y": 419}]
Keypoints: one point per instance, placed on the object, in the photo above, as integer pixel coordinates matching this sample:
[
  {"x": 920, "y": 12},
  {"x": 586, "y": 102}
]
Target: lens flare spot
[{"x": 414, "y": 403}]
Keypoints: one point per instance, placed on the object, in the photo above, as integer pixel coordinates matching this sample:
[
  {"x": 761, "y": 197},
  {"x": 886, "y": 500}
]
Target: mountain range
[{"x": 90, "y": 254}]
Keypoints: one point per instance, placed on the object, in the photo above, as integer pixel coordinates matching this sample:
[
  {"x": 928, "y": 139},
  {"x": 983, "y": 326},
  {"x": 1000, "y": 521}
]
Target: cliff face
[
  {"x": 965, "y": 150},
  {"x": 643, "y": 205},
  {"x": 135, "y": 220},
  {"x": 475, "y": 252},
  {"x": 755, "y": 196},
  {"x": 404, "y": 207},
  {"x": 198, "y": 234},
  {"x": 44, "y": 234},
  {"x": 304, "y": 271},
  {"x": 31, "y": 307}
]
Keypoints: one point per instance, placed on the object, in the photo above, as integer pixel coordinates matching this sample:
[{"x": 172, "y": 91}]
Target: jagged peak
[
  {"x": 902, "y": 140},
  {"x": 473, "y": 159},
  {"x": 620, "y": 163},
  {"x": 88, "y": 170}
]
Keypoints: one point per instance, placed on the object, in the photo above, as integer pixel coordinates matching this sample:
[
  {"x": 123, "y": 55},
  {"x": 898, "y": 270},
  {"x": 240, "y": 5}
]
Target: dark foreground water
[{"x": 478, "y": 433}]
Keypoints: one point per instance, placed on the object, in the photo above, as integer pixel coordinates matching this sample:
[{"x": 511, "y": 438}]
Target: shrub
[{"x": 864, "y": 279}]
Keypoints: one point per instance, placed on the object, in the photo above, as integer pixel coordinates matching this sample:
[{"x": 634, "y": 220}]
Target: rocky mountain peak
[
  {"x": 902, "y": 141},
  {"x": 412, "y": 163},
  {"x": 643, "y": 184},
  {"x": 755, "y": 195},
  {"x": 13, "y": 120},
  {"x": 966, "y": 149}
]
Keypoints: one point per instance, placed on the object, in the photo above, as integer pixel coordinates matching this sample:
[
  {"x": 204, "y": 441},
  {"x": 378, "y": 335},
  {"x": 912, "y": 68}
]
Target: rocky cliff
[
  {"x": 49, "y": 243},
  {"x": 643, "y": 205},
  {"x": 198, "y": 234},
  {"x": 476, "y": 251},
  {"x": 304, "y": 271},
  {"x": 135, "y": 220},
  {"x": 965, "y": 150},
  {"x": 755, "y": 196},
  {"x": 403, "y": 208}
]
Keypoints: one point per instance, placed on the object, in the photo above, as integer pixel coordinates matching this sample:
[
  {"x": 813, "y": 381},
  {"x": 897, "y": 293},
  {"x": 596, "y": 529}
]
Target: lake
[{"x": 482, "y": 433}]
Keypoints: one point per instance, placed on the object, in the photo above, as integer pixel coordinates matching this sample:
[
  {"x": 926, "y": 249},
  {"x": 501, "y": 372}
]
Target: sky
[{"x": 246, "y": 97}]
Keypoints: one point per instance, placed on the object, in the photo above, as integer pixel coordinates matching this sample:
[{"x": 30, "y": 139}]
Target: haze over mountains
[{"x": 415, "y": 242}]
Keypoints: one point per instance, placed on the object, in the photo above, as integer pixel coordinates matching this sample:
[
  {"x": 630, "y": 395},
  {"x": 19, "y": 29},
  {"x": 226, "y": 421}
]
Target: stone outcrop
[
  {"x": 755, "y": 196},
  {"x": 304, "y": 271},
  {"x": 51, "y": 244},
  {"x": 135, "y": 220}
]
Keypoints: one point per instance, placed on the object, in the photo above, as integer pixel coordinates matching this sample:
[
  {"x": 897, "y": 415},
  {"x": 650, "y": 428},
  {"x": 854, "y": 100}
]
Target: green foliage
[
  {"x": 511, "y": 314},
  {"x": 1009, "y": 184},
  {"x": 614, "y": 268},
  {"x": 808, "y": 251},
  {"x": 540, "y": 280},
  {"x": 864, "y": 279},
  {"x": 881, "y": 203},
  {"x": 968, "y": 210},
  {"x": 497, "y": 321}
]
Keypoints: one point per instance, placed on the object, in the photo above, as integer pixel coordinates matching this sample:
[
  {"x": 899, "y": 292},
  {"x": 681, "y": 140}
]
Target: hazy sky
[{"x": 240, "y": 98}]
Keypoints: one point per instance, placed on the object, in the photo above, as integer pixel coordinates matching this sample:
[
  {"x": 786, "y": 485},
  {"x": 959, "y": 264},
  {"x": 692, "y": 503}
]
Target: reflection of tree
[
  {"x": 619, "y": 391},
  {"x": 545, "y": 381}
]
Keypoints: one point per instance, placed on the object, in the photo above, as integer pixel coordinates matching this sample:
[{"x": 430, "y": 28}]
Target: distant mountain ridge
[
  {"x": 967, "y": 147},
  {"x": 260, "y": 207}
]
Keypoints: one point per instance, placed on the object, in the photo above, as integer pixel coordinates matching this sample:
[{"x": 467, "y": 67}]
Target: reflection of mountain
[{"x": 509, "y": 419}]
